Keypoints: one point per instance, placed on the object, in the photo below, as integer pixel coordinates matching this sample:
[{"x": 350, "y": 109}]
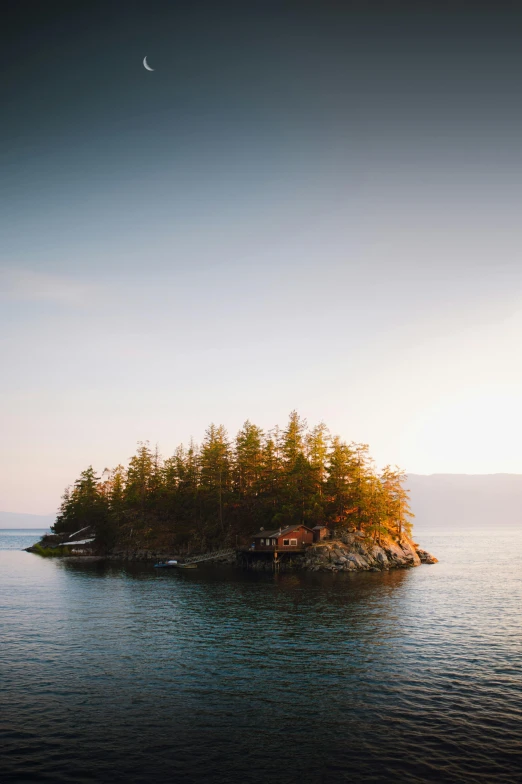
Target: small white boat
[
  {"x": 166, "y": 564},
  {"x": 174, "y": 565}
]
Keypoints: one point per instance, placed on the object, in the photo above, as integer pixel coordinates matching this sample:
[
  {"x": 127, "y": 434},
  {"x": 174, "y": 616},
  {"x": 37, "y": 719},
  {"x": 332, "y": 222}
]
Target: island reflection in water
[{"x": 121, "y": 671}]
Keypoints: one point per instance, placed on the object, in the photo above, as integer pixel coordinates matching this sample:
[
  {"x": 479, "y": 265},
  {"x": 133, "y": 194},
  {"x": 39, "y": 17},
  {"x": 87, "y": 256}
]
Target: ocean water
[
  {"x": 115, "y": 672},
  {"x": 19, "y": 538}
]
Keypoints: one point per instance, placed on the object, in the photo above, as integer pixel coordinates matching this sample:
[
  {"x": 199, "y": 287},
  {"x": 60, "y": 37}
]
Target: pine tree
[
  {"x": 338, "y": 487},
  {"x": 216, "y": 470},
  {"x": 293, "y": 440},
  {"x": 317, "y": 442},
  {"x": 65, "y": 519},
  {"x": 270, "y": 477},
  {"x": 117, "y": 494},
  {"x": 376, "y": 509},
  {"x": 140, "y": 477},
  {"x": 248, "y": 460},
  {"x": 360, "y": 488},
  {"x": 397, "y": 502}
]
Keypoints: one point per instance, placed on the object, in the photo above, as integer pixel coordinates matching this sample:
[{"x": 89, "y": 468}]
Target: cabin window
[
  {"x": 286, "y": 542},
  {"x": 293, "y": 542},
  {"x": 274, "y": 542}
]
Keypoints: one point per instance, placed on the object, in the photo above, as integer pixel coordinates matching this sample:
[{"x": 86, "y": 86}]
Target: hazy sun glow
[{"x": 470, "y": 432}]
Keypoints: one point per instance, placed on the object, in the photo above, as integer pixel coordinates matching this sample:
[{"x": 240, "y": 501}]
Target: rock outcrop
[
  {"x": 355, "y": 554},
  {"x": 426, "y": 557}
]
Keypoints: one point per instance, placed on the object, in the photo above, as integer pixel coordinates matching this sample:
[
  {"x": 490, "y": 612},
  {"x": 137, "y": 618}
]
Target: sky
[{"x": 310, "y": 206}]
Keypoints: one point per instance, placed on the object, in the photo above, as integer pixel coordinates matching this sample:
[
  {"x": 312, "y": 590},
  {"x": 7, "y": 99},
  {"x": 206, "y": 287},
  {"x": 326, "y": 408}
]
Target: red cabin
[{"x": 290, "y": 539}]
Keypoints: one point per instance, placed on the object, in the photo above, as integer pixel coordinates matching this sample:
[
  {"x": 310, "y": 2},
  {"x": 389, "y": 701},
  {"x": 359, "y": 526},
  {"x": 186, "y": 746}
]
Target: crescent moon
[{"x": 146, "y": 65}]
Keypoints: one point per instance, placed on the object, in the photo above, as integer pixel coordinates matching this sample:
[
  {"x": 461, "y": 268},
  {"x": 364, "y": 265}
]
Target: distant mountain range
[
  {"x": 465, "y": 500},
  {"x": 437, "y": 500},
  {"x": 21, "y": 520}
]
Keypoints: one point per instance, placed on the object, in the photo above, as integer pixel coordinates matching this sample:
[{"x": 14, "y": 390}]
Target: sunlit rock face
[
  {"x": 354, "y": 554},
  {"x": 426, "y": 557}
]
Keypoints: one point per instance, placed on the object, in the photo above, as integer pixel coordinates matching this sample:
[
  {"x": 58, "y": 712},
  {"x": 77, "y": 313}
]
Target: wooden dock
[{"x": 212, "y": 556}]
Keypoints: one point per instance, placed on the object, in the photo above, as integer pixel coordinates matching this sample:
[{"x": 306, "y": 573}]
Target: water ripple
[{"x": 114, "y": 672}]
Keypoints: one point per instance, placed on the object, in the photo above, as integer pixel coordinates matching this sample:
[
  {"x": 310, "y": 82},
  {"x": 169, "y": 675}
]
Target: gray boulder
[
  {"x": 358, "y": 560},
  {"x": 380, "y": 557},
  {"x": 411, "y": 556}
]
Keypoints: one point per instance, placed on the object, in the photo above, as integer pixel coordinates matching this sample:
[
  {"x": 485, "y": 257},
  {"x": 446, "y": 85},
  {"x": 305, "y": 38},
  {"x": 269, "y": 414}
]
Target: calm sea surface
[{"x": 126, "y": 673}]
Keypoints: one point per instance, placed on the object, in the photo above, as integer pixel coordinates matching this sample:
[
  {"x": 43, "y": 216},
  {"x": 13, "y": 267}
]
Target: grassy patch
[{"x": 49, "y": 552}]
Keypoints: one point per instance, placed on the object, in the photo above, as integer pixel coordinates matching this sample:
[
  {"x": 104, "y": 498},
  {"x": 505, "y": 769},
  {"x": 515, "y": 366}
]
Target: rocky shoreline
[{"x": 352, "y": 552}]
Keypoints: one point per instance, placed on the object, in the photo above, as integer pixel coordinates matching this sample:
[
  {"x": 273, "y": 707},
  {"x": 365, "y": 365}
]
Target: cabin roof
[
  {"x": 279, "y": 532},
  {"x": 317, "y": 527},
  {"x": 86, "y": 528}
]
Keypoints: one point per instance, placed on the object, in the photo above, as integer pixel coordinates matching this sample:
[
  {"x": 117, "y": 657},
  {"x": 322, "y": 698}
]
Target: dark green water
[{"x": 126, "y": 673}]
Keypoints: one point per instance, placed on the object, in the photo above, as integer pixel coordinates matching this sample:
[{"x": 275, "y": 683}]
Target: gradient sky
[{"x": 306, "y": 205}]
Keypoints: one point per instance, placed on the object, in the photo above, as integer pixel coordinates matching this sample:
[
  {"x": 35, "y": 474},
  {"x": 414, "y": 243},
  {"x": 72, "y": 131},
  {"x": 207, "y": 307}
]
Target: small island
[{"x": 293, "y": 497}]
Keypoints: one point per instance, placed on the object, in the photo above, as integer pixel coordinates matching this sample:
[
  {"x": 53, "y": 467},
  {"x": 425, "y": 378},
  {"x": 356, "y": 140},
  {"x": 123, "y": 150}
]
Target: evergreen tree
[
  {"x": 248, "y": 460},
  {"x": 376, "y": 510},
  {"x": 397, "y": 503},
  {"x": 317, "y": 442},
  {"x": 338, "y": 486},
  {"x": 140, "y": 477},
  {"x": 216, "y": 471},
  {"x": 360, "y": 487},
  {"x": 117, "y": 494},
  {"x": 83, "y": 506},
  {"x": 270, "y": 477},
  {"x": 293, "y": 440},
  {"x": 65, "y": 519}
]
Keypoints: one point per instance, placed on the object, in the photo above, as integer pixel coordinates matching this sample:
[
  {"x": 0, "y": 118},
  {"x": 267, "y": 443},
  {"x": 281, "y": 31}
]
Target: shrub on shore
[{"x": 49, "y": 552}]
